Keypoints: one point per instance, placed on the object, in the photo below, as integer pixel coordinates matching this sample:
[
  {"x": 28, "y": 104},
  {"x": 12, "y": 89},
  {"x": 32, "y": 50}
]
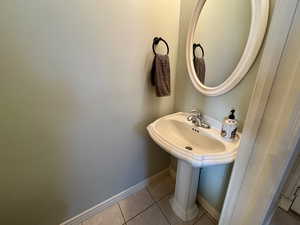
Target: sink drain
[{"x": 188, "y": 148}]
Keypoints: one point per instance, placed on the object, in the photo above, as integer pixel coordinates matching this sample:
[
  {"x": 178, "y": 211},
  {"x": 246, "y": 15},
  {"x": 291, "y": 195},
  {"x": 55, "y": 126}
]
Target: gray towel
[
  {"x": 160, "y": 75},
  {"x": 199, "y": 65}
]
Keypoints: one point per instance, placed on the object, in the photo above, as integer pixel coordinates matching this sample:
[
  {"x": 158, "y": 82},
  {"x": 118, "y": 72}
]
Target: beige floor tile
[
  {"x": 212, "y": 219},
  {"x": 162, "y": 188},
  {"x": 165, "y": 206},
  {"x": 152, "y": 216},
  {"x": 283, "y": 218},
  {"x": 110, "y": 216},
  {"x": 204, "y": 220},
  {"x": 135, "y": 204}
]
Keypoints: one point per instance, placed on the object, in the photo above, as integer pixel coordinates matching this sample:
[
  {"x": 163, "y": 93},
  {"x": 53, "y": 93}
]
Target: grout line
[
  {"x": 149, "y": 192},
  {"x": 213, "y": 220},
  {"x": 140, "y": 213},
  {"x": 158, "y": 200},
  {"x": 205, "y": 212},
  {"x": 122, "y": 213},
  {"x": 155, "y": 202},
  {"x": 163, "y": 214},
  {"x": 199, "y": 219},
  {"x": 201, "y": 209},
  {"x": 170, "y": 193}
]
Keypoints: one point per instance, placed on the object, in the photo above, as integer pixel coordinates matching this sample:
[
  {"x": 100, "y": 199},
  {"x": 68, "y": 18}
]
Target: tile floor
[
  {"x": 149, "y": 206},
  {"x": 282, "y": 217}
]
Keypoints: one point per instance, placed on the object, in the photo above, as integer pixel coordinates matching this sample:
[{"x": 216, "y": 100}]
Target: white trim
[
  {"x": 235, "y": 199},
  {"x": 114, "y": 199},
  {"x": 259, "y": 21},
  {"x": 212, "y": 211}
]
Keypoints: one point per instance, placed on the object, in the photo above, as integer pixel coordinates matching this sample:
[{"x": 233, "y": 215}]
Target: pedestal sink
[{"x": 194, "y": 147}]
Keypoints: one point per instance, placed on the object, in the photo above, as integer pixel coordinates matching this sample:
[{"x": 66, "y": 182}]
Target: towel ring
[
  {"x": 196, "y": 46},
  {"x": 156, "y": 40}
]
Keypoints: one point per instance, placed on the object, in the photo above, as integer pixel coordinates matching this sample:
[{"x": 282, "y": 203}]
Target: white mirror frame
[{"x": 259, "y": 22}]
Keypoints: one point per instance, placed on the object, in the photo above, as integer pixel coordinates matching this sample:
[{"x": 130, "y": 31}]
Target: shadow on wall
[
  {"x": 75, "y": 104},
  {"x": 153, "y": 108},
  {"x": 34, "y": 110}
]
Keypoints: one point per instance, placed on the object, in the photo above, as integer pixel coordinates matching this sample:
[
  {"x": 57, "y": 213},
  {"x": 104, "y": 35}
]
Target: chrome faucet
[{"x": 197, "y": 119}]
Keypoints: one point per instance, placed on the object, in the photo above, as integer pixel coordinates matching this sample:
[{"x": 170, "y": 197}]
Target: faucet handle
[{"x": 196, "y": 112}]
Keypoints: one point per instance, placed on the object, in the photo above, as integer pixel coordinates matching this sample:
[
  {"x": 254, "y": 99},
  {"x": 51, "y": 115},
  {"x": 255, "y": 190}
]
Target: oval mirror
[{"x": 223, "y": 41}]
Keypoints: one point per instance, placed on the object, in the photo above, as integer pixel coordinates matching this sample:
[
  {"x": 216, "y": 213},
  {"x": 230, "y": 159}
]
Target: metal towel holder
[
  {"x": 156, "y": 40},
  {"x": 196, "y": 46}
]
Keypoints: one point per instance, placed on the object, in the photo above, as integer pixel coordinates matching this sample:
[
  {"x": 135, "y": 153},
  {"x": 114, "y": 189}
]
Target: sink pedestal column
[{"x": 183, "y": 202}]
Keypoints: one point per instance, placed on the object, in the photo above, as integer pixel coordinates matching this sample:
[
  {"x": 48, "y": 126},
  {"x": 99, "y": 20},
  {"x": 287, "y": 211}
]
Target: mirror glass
[{"x": 222, "y": 31}]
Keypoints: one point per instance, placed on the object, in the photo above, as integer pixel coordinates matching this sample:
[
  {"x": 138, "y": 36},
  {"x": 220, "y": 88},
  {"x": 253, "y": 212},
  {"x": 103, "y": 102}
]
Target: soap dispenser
[{"x": 229, "y": 127}]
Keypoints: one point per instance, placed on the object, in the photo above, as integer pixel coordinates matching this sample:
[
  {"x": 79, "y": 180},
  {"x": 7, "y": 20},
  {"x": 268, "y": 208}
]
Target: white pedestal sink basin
[{"x": 194, "y": 147}]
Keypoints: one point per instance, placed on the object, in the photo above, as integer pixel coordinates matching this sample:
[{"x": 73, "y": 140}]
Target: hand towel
[
  {"x": 160, "y": 75},
  {"x": 199, "y": 65}
]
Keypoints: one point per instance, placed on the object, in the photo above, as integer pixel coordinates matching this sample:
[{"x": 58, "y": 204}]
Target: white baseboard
[
  {"x": 109, "y": 202},
  {"x": 213, "y": 212}
]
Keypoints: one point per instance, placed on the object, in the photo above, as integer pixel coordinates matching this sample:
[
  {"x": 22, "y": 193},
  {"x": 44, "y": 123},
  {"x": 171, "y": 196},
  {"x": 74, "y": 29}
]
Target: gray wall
[
  {"x": 232, "y": 19},
  {"x": 213, "y": 180},
  {"x": 75, "y": 100}
]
